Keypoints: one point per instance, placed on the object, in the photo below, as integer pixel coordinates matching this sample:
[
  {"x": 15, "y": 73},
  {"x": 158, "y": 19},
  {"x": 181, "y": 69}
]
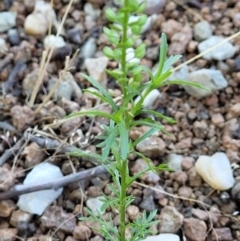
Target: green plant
[{"x": 122, "y": 34}]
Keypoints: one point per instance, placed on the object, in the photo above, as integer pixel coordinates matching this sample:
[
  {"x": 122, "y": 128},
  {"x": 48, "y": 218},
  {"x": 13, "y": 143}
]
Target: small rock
[
  {"x": 95, "y": 205},
  {"x": 6, "y": 208},
  {"x": 37, "y": 202},
  {"x": 195, "y": 229},
  {"x": 3, "y": 47},
  {"x": 171, "y": 27},
  {"x": 184, "y": 143},
  {"x": 153, "y": 6},
  {"x": 149, "y": 176},
  {"x": 180, "y": 177},
  {"x": 152, "y": 52},
  {"x": 151, "y": 147},
  {"x": 36, "y": 19},
  {"x": 88, "y": 49},
  {"x": 216, "y": 171},
  {"x": 236, "y": 191},
  {"x": 7, "y": 21},
  {"x": 7, "y": 179},
  {"x": 181, "y": 74},
  {"x": 8, "y": 234},
  {"x": 175, "y": 162},
  {"x": 19, "y": 216},
  {"x": 52, "y": 41},
  {"x": 171, "y": 220},
  {"x": 234, "y": 111},
  {"x": 132, "y": 212},
  {"x": 91, "y": 11},
  {"x": 163, "y": 237},
  {"x": 55, "y": 217},
  {"x": 211, "y": 79},
  {"x": 13, "y": 37},
  {"x": 185, "y": 192},
  {"x": 223, "y": 234},
  {"x": 34, "y": 155},
  {"x": 194, "y": 178},
  {"x": 74, "y": 35},
  {"x": 22, "y": 117},
  {"x": 148, "y": 204},
  {"x": 187, "y": 163},
  {"x": 200, "y": 129},
  {"x": 202, "y": 31},
  {"x": 96, "y": 69},
  {"x": 82, "y": 232},
  {"x": 200, "y": 214},
  {"x": 217, "y": 119},
  {"x": 130, "y": 57},
  {"x": 223, "y": 52}
]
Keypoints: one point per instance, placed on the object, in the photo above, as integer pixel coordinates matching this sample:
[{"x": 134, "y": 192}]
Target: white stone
[
  {"x": 202, "y": 31},
  {"x": 211, "y": 79},
  {"x": 95, "y": 204},
  {"x": 224, "y": 51},
  {"x": 52, "y": 41},
  {"x": 163, "y": 237},
  {"x": 91, "y": 11},
  {"x": 7, "y": 21},
  {"x": 96, "y": 69},
  {"x": 150, "y": 99},
  {"x": 175, "y": 162},
  {"x": 37, "y": 202},
  {"x": 88, "y": 49},
  {"x": 216, "y": 171}
]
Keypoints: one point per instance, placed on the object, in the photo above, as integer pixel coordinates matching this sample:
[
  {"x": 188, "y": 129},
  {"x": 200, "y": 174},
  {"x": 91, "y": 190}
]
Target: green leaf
[
  {"x": 102, "y": 90},
  {"x": 124, "y": 140},
  {"x": 133, "y": 5},
  {"x": 92, "y": 113},
  {"x": 129, "y": 43},
  {"x": 141, "y": 7},
  {"x": 110, "y": 15},
  {"x": 158, "y": 80},
  {"x": 162, "y": 55},
  {"x": 80, "y": 153},
  {"x": 142, "y": 20},
  {"x": 157, "y": 114},
  {"x": 108, "y": 52},
  {"x": 136, "y": 29},
  {"x": 170, "y": 61},
  {"x": 116, "y": 73},
  {"x": 147, "y": 122},
  {"x": 140, "y": 51},
  {"x": 184, "y": 82}
]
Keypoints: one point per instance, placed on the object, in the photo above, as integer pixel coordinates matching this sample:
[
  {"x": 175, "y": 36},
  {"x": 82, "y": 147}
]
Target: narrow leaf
[
  {"x": 124, "y": 140},
  {"x": 172, "y": 60}
]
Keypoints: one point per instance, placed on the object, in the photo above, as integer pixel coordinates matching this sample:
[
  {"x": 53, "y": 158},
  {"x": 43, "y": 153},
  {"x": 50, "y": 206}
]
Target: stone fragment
[
  {"x": 141, "y": 165},
  {"x": 55, "y": 217},
  {"x": 152, "y": 147},
  {"x": 185, "y": 192},
  {"x": 82, "y": 232},
  {"x": 223, "y": 234},
  {"x": 175, "y": 162},
  {"x": 202, "y": 31},
  {"x": 148, "y": 204},
  {"x": 132, "y": 212},
  {"x": 95, "y": 205},
  {"x": 171, "y": 27},
  {"x": 34, "y": 154},
  {"x": 22, "y": 116},
  {"x": 52, "y": 41},
  {"x": 3, "y": 47},
  {"x": 88, "y": 49},
  {"x": 216, "y": 171},
  {"x": 211, "y": 79},
  {"x": 6, "y": 208},
  {"x": 194, "y": 178},
  {"x": 7, "y": 178},
  {"x": 37, "y": 202},
  {"x": 19, "y": 216},
  {"x": 7, "y": 21},
  {"x": 13, "y": 37},
  {"x": 153, "y": 6},
  {"x": 171, "y": 220},
  {"x": 223, "y": 52},
  {"x": 163, "y": 237},
  {"x": 195, "y": 229},
  {"x": 96, "y": 69},
  {"x": 8, "y": 234}
]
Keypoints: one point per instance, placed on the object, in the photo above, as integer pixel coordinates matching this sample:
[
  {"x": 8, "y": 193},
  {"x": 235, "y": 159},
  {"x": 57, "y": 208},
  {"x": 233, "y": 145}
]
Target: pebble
[
  {"x": 152, "y": 147},
  {"x": 23, "y": 116},
  {"x": 150, "y": 99},
  {"x": 74, "y": 35},
  {"x": 148, "y": 204},
  {"x": 19, "y": 216},
  {"x": 88, "y": 49},
  {"x": 52, "y": 41},
  {"x": 132, "y": 212},
  {"x": 8, "y": 234},
  {"x": 175, "y": 162},
  {"x": 7, "y": 21},
  {"x": 185, "y": 192},
  {"x": 13, "y": 37},
  {"x": 202, "y": 31},
  {"x": 37, "y": 202},
  {"x": 140, "y": 165},
  {"x": 222, "y": 234},
  {"x": 96, "y": 69},
  {"x": 171, "y": 27},
  {"x": 7, "y": 179},
  {"x": 153, "y": 6},
  {"x": 223, "y": 52},
  {"x": 91, "y": 11},
  {"x": 3, "y": 47},
  {"x": 187, "y": 163},
  {"x": 36, "y": 19},
  {"x": 82, "y": 232},
  {"x": 95, "y": 204},
  {"x": 216, "y": 171},
  {"x": 54, "y": 217},
  {"x": 194, "y": 178},
  {"x": 211, "y": 79},
  {"x": 152, "y": 52},
  {"x": 6, "y": 208},
  {"x": 171, "y": 220},
  {"x": 163, "y": 237}
]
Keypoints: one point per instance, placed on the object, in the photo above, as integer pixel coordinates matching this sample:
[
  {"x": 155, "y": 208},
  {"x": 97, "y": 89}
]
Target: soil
[{"x": 31, "y": 134}]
